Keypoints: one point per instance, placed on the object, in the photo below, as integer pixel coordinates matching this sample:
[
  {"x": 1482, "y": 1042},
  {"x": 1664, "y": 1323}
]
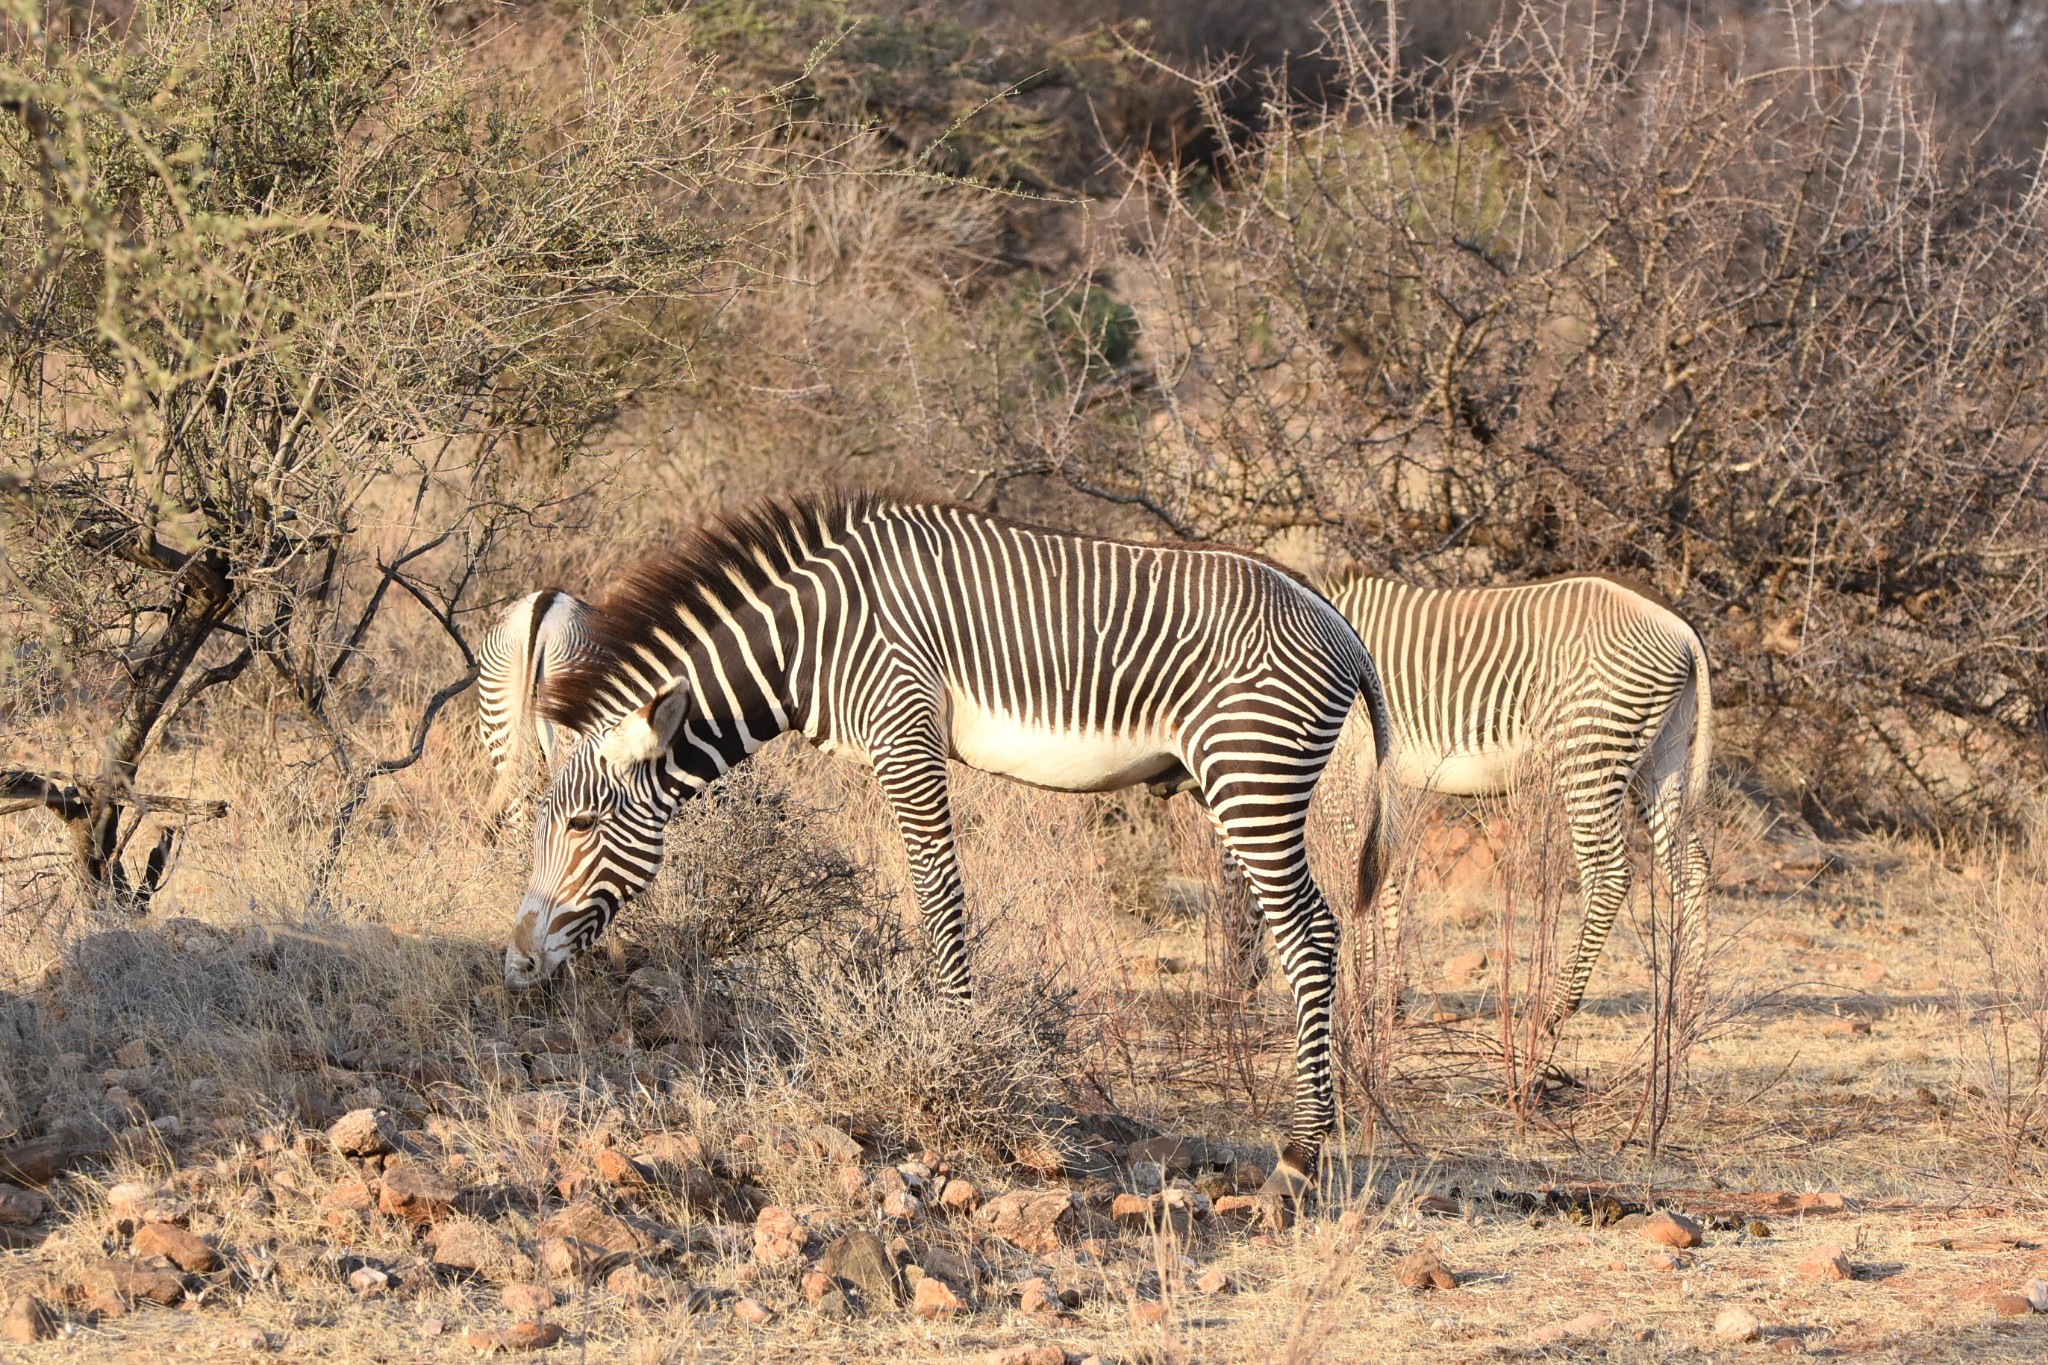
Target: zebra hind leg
[
  {"x": 1267, "y": 844},
  {"x": 1604, "y": 876}
]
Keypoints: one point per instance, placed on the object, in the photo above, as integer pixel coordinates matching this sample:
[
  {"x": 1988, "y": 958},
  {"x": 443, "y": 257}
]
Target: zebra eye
[{"x": 585, "y": 821}]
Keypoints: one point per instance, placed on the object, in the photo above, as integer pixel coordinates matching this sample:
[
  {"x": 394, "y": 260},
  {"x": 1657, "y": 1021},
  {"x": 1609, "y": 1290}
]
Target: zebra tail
[
  {"x": 1376, "y": 849},
  {"x": 1701, "y": 759}
]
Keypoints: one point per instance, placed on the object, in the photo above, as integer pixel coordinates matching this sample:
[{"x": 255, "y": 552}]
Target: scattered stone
[
  {"x": 125, "y": 1282},
  {"x": 463, "y": 1244},
  {"x": 583, "y": 1221},
  {"x": 417, "y": 1195},
  {"x": 959, "y": 1196},
  {"x": 27, "y": 1322},
  {"x": 1037, "y": 1297},
  {"x": 1035, "y": 1221},
  {"x": 180, "y": 1247},
  {"x": 835, "y": 1144},
  {"x": 520, "y": 1336},
  {"x": 779, "y": 1236},
  {"x": 2011, "y": 1305},
  {"x": 860, "y": 1261},
  {"x": 367, "y": 1279},
  {"x": 619, "y": 1169},
  {"x": 936, "y": 1301},
  {"x": 1582, "y": 1326},
  {"x": 1825, "y": 1203},
  {"x": 754, "y": 1311},
  {"x": 2037, "y": 1294},
  {"x": 1825, "y": 1263},
  {"x": 1669, "y": 1261},
  {"x": 1150, "y": 1313},
  {"x": 21, "y": 1208},
  {"x": 1464, "y": 965},
  {"x": 527, "y": 1302},
  {"x": 1239, "y": 1208},
  {"x": 363, "y": 1132},
  {"x": 1424, "y": 1270},
  {"x": 1737, "y": 1324},
  {"x": 1671, "y": 1230},
  {"x": 1217, "y": 1280},
  {"x": 949, "y": 1266},
  {"x": 1437, "y": 1206},
  {"x": 1846, "y": 1025},
  {"x": 903, "y": 1206},
  {"x": 1175, "y": 1155},
  {"x": 815, "y": 1285}
]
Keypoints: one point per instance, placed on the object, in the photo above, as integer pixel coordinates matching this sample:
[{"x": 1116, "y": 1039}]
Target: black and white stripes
[
  {"x": 903, "y": 634},
  {"x": 1594, "y": 679}
]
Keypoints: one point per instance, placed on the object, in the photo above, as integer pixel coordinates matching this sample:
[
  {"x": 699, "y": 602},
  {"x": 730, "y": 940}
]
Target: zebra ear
[{"x": 644, "y": 735}]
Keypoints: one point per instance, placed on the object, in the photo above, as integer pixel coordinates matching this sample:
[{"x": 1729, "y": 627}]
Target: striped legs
[
  {"x": 1601, "y": 852},
  {"x": 1260, "y": 816},
  {"x": 1683, "y": 860},
  {"x": 912, "y": 773}
]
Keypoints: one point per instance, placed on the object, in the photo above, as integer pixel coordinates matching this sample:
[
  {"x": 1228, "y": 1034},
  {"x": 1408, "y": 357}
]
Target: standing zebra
[
  {"x": 538, "y": 637},
  {"x": 1597, "y": 677},
  {"x": 901, "y": 634}
]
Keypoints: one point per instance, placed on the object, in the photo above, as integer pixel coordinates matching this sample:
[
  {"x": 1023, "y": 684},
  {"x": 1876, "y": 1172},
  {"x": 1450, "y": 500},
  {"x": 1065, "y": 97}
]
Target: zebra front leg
[
  {"x": 1604, "y": 876},
  {"x": 913, "y": 780}
]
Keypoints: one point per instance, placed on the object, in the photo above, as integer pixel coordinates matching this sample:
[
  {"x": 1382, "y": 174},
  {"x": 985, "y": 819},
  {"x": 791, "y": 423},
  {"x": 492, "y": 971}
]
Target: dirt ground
[{"x": 1852, "y": 1093}]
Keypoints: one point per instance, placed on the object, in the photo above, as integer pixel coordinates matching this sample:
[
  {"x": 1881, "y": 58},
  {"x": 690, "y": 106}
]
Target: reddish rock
[
  {"x": 1464, "y": 965},
  {"x": 1424, "y": 1270},
  {"x": 21, "y": 1208},
  {"x": 816, "y": 1284},
  {"x": 1150, "y": 1313},
  {"x": 753, "y": 1311},
  {"x": 27, "y": 1322},
  {"x": 1030, "y": 1355},
  {"x": 935, "y": 1300},
  {"x": 960, "y": 1196},
  {"x": 1671, "y": 1230},
  {"x": 1737, "y": 1324},
  {"x": 1037, "y": 1296},
  {"x": 620, "y": 1169},
  {"x": 585, "y": 1222},
  {"x": 852, "y": 1182},
  {"x": 363, "y": 1132},
  {"x": 779, "y": 1236},
  {"x": 527, "y": 1302},
  {"x": 1239, "y": 1208},
  {"x": 1669, "y": 1261},
  {"x": 126, "y": 1281},
  {"x": 1825, "y": 1263},
  {"x": 1820, "y": 1204},
  {"x": 416, "y": 1195},
  {"x": 1036, "y": 1221},
  {"x": 1846, "y": 1025},
  {"x": 177, "y": 1245},
  {"x": 2011, "y": 1305},
  {"x": 903, "y": 1206},
  {"x": 520, "y": 1336},
  {"x": 634, "y": 1284},
  {"x": 466, "y": 1245},
  {"x": 1216, "y": 1280}
]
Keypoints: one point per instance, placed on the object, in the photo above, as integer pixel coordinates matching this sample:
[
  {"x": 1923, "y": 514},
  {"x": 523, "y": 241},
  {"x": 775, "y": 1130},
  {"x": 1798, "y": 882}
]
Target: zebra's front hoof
[{"x": 1293, "y": 1180}]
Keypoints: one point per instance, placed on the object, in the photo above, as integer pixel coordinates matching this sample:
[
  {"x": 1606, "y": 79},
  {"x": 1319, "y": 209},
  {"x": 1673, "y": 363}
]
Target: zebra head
[{"x": 596, "y": 837}]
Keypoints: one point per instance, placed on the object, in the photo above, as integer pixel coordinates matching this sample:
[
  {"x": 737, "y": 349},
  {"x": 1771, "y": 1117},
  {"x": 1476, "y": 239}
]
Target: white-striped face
[{"x": 596, "y": 840}]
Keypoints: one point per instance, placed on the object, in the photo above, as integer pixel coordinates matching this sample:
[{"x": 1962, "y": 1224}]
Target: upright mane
[{"x": 633, "y": 613}]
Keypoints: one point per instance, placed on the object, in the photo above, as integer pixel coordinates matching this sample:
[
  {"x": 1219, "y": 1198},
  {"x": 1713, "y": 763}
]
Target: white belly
[
  {"x": 1065, "y": 760},
  {"x": 1485, "y": 773}
]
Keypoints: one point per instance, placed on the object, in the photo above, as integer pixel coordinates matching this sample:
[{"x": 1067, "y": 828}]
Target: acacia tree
[
  {"x": 1725, "y": 309},
  {"x": 280, "y": 287}
]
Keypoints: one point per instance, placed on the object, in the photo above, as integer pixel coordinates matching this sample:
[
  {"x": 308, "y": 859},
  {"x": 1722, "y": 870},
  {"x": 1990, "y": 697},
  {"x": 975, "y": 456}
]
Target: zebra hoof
[{"x": 1289, "y": 1183}]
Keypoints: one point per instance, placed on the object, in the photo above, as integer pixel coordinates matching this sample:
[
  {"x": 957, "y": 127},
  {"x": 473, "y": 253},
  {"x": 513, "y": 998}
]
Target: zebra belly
[
  {"x": 1063, "y": 759},
  {"x": 1482, "y": 773}
]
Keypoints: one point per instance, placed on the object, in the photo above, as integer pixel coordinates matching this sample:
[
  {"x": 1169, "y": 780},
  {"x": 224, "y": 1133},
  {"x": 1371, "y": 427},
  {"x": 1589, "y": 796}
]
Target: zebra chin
[{"x": 529, "y": 956}]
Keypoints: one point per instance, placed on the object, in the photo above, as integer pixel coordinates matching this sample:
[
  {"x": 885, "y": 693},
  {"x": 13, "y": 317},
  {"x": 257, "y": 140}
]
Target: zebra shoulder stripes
[
  {"x": 902, "y": 634},
  {"x": 535, "y": 639},
  {"x": 1594, "y": 678}
]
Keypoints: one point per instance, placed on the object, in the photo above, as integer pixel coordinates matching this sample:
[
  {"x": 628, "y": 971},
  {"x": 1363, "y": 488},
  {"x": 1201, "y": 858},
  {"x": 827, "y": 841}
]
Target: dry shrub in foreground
[{"x": 2002, "y": 1078}]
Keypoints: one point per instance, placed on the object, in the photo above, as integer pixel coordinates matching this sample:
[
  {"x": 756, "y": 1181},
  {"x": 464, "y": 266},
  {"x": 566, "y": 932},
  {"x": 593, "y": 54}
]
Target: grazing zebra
[
  {"x": 1597, "y": 678},
  {"x": 902, "y": 634},
  {"x": 538, "y": 636}
]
